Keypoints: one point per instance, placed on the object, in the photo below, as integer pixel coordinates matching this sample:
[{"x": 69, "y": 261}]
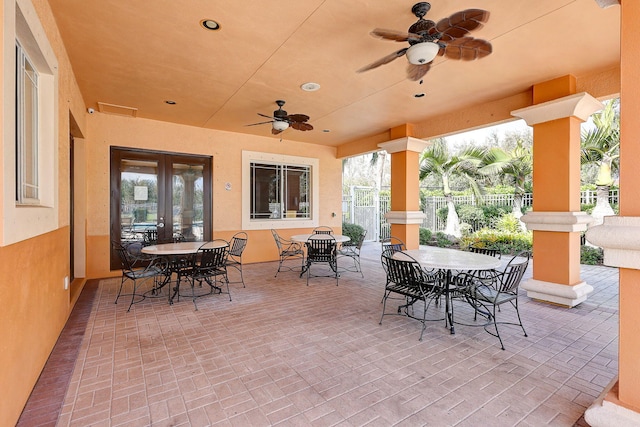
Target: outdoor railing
[{"x": 366, "y": 207}]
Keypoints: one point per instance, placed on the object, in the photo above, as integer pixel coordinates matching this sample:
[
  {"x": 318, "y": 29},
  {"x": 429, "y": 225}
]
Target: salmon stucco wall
[{"x": 105, "y": 131}]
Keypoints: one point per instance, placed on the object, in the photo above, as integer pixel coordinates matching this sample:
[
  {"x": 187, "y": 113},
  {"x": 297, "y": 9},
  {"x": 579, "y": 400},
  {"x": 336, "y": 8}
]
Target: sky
[{"x": 479, "y": 135}]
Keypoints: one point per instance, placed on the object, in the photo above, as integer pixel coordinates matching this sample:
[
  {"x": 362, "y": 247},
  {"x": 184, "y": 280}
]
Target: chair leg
[
  {"x": 119, "y": 290},
  {"x": 193, "y": 292},
  {"x": 384, "y": 305},
  {"x": 241, "y": 276},
  {"x": 519, "y": 320}
]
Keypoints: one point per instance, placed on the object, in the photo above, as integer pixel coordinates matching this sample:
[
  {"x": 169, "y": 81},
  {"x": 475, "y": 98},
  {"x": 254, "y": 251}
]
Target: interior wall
[{"x": 106, "y": 130}]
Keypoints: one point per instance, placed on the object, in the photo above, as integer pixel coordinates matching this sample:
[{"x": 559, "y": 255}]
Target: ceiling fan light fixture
[
  {"x": 422, "y": 53},
  {"x": 280, "y": 125}
]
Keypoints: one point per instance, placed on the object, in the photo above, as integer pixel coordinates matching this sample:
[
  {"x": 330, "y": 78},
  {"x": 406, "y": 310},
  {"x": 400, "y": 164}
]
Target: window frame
[
  {"x": 251, "y": 157},
  {"x": 27, "y": 150}
]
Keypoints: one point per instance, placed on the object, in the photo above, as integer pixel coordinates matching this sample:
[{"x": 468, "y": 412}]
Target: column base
[
  {"x": 557, "y": 293},
  {"x": 607, "y": 412}
]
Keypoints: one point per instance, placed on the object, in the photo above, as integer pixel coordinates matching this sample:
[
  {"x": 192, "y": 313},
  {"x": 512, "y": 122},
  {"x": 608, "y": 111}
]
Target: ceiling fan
[
  {"x": 427, "y": 40},
  {"x": 281, "y": 121}
]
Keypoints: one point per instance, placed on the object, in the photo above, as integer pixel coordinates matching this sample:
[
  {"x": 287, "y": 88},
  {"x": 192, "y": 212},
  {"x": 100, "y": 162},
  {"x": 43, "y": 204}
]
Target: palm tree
[
  {"x": 436, "y": 161},
  {"x": 600, "y": 145},
  {"x": 516, "y": 164}
]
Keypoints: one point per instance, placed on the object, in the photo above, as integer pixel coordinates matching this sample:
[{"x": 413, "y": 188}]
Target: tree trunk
[
  {"x": 603, "y": 207},
  {"x": 517, "y": 210},
  {"x": 453, "y": 222}
]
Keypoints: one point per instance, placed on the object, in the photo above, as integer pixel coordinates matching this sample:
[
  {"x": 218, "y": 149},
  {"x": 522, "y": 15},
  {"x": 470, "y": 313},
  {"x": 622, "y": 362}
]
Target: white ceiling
[{"x": 140, "y": 53}]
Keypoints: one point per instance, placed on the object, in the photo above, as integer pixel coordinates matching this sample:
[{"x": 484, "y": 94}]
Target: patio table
[
  {"x": 448, "y": 260},
  {"x": 180, "y": 255}
]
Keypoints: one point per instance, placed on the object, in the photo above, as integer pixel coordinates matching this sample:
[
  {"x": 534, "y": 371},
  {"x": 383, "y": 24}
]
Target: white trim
[
  {"x": 580, "y": 105},
  {"x": 404, "y": 144},
  {"x": 567, "y": 295},
  {"x": 253, "y": 156},
  {"x": 619, "y": 236},
  {"x": 567, "y": 222},
  {"x": 405, "y": 217}
]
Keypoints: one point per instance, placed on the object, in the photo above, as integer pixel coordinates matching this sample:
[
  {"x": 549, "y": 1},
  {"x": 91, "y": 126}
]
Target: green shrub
[
  {"x": 508, "y": 223},
  {"x": 493, "y": 212},
  {"x": 591, "y": 256},
  {"x": 354, "y": 231},
  {"x": 425, "y": 236},
  {"x": 471, "y": 214},
  {"x": 442, "y": 240},
  {"x": 507, "y": 242}
]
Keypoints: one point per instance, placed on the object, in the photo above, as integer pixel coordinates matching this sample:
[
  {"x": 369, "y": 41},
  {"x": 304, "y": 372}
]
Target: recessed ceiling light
[
  {"x": 210, "y": 24},
  {"x": 168, "y": 101},
  {"x": 310, "y": 87}
]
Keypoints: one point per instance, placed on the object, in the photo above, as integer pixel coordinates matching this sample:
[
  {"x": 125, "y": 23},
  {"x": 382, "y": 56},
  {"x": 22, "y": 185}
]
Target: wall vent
[{"x": 120, "y": 110}]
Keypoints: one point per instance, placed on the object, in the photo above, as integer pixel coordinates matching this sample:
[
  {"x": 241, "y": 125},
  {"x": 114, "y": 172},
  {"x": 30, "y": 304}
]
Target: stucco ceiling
[{"x": 141, "y": 53}]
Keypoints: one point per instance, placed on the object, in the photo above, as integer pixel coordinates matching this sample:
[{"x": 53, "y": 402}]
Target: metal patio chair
[
  {"x": 352, "y": 250},
  {"x": 321, "y": 249},
  {"x": 488, "y": 298},
  {"x": 238, "y": 244},
  {"x": 405, "y": 277},
  {"x": 139, "y": 270},
  {"x": 287, "y": 250},
  {"x": 209, "y": 265}
]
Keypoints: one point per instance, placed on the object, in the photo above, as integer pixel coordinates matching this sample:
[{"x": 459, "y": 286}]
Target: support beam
[
  {"x": 405, "y": 216},
  {"x": 556, "y": 220},
  {"x": 619, "y": 236}
]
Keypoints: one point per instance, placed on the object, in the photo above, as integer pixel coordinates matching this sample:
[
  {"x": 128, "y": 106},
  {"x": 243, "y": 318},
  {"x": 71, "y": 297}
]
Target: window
[
  {"x": 26, "y": 129},
  {"x": 279, "y": 191},
  {"x": 31, "y": 146}
]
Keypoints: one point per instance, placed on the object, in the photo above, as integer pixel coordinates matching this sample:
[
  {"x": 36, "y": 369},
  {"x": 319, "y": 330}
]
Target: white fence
[{"x": 366, "y": 206}]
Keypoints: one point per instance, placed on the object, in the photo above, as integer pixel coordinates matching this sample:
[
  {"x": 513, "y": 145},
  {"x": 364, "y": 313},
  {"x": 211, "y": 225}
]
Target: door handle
[{"x": 161, "y": 222}]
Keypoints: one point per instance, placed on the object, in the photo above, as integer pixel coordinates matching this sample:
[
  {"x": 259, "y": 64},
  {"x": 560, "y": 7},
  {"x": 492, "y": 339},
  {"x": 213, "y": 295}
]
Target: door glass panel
[
  {"x": 187, "y": 205},
  {"x": 138, "y": 200}
]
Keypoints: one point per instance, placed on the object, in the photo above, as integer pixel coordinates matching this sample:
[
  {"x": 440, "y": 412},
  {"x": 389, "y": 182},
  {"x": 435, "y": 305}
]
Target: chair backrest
[
  {"x": 323, "y": 229},
  {"x": 393, "y": 243},
  {"x": 321, "y": 248},
  {"x": 485, "y": 251},
  {"x": 360, "y": 241},
  {"x": 211, "y": 255},
  {"x": 238, "y": 243},
  {"x": 276, "y": 237},
  {"x": 513, "y": 272},
  {"x": 402, "y": 268},
  {"x": 150, "y": 236},
  {"x": 127, "y": 260}
]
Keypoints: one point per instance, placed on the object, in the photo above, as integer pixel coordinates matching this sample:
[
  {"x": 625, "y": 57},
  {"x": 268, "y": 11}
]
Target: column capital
[
  {"x": 407, "y": 143},
  {"x": 619, "y": 236},
  {"x": 580, "y": 105}
]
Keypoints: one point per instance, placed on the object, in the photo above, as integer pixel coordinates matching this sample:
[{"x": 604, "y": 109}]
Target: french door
[{"x": 159, "y": 197}]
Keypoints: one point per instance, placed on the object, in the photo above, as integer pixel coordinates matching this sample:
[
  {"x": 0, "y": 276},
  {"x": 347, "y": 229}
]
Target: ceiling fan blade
[
  {"x": 461, "y": 23},
  {"x": 416, "y": 72},
  {"x": 275, "y": 131},
  {"x": 398, "y": 36},
  {"x": 264, "y": 115},
  {"x": 301, "y": 126},
  {"x": 467, "y": 49},
  {"x": 293, "y": 118},
  {"x": 261, "y": 123},
  {"x": 384, "y": 60}
]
